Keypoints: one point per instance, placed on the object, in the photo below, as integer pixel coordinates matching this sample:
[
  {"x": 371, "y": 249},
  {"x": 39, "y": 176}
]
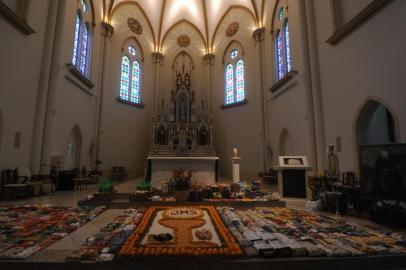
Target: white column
[
  {"x": 259, "y": 36},
  {"x": 235, "y": 162},
  {"x": 107, "y": 32}
]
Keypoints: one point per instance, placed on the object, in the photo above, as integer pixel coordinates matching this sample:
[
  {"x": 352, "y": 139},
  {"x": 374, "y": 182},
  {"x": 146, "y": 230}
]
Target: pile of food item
[
  {"x": 104, "y": 245},
  {"x": 282, "y": 232},
  {"x": 25, "y": 230},
  {"x": 243, "y": 191}
]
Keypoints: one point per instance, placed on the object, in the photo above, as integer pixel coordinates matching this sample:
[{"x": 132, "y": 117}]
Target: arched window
[
  {"x": 131, "y": 73},
  {"x": 234, "y": 76},
  {"x": 283, "y": 63},
  {"x": 82, "y": 39}
]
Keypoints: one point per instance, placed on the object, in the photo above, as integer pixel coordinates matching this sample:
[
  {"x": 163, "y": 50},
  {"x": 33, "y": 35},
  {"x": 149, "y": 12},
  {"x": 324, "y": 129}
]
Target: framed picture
[{"x": 383, "y": 172}]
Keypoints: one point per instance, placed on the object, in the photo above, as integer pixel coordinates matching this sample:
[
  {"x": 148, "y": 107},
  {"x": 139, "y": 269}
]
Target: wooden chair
[
  {"x": 119, "y": 174},
  {"x": 80, "y": 180},
  {"x": 271, "y": 177},
  {"x": 10, "y": 183}
]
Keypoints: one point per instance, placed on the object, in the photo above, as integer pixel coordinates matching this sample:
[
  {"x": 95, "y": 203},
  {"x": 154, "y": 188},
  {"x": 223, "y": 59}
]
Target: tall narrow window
[
  {"x": 283, "y": 62},
  {"x": 229, "y": 84},
  {"x": 82, "y": 37},
  {"x": 239, "y": 82},
  {"x": 234, "y": 75},
  {"x": 125, "y": 78},
  {"x": 135, "y": 82},
  {"x": 131, "y": 72}
]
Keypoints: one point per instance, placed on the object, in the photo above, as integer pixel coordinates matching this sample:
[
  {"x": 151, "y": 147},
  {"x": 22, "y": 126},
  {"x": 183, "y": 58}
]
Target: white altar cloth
[{"x": 203, "y": 168}]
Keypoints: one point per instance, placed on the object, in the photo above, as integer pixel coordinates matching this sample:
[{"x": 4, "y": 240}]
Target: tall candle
[{"x": 235, "y": 152}]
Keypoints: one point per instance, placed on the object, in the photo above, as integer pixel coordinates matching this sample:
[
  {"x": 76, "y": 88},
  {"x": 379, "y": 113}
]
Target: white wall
[
  {"x": 21, "y": 66},
  {"x": 368, "y": 63}
]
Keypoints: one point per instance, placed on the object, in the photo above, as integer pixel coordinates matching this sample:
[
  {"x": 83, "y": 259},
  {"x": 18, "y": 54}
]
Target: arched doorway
[
  {"x": 286, "y": 147},
  {"x": 73, "y": 149},
  {"x": 375, "y": 124}
]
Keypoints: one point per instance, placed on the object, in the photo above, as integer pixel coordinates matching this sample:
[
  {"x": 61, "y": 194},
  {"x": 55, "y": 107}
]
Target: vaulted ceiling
[{"x": 203, "y": 15}]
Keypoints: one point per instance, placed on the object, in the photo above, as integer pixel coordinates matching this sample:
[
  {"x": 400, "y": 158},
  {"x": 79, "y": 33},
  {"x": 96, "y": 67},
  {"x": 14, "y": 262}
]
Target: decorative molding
[
  {"x": 277, "y": 85},
  {"x": 137, "y": 105},
  {"x": 259, "y": 34},
  {"x": 235, "y": 104},
  {"x": 16, "y": 21},
  {"x": 134, "y": 25},
  {"x": 75, "y": 72},
  {"x": 232, "y": 29},
  {"x": 244, "y": 8},
  {"x": 108, "y": 29},
  {"x": 183, "y": 41},
  {"x": 361, "y": 18},
  {"x": 157, "y": 57},
  {"x": 136, "y": 4},
  {"x": 209, "y": 59},
  {"x": 178, "y": 23}
]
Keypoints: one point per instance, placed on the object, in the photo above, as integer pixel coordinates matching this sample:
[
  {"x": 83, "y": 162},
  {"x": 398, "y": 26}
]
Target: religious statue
[{"x": 333, "y": 169}]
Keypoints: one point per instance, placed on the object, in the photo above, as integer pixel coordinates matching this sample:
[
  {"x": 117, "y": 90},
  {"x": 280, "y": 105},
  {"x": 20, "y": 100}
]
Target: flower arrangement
[
  {"x": 316, "y": 184},
  {"x": 181, "y": 179}
]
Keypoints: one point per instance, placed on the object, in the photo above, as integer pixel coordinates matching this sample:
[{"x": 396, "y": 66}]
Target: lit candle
[{"x": 235, "y": 152}]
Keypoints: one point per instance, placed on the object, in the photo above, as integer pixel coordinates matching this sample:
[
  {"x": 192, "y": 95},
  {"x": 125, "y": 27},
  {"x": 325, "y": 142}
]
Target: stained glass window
[
  {"x": 84, "y": 5},
  {"x": 282, "y": 13},
  {"x": 234, "y": 54},
  {"x": 287, "y": 47},
  {"x": 239, "y": 82},
  {"x": 84, "y": 51},
  {"x": 229, "y": 97},
  {"x": 125, "y": 78},
  {"x": 76, "y": 39},
  {"x": 81, "y": 41},
  {"x": 279, "y": 55},
  {"x": 131, "y": 50},
  {"x": 135, "y": 82}
]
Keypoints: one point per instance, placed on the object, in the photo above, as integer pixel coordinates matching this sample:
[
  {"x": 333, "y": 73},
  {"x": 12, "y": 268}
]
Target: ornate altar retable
[{"x": 182, "y": 134}]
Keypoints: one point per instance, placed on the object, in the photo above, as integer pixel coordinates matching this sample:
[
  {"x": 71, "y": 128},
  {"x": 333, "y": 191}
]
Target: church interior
[{"x": 232, "y": 134}]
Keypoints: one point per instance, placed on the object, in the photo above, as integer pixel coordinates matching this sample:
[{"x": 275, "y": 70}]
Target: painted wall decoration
[
  {"x": 232, "y": 29},
  {"x": 135, "y": 26},
  {"x": 183, "y": 41}
]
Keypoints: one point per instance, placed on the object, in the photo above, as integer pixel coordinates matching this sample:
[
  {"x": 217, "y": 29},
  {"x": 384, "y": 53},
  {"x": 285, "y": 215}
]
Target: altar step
[{"x": 295, "y": 203}]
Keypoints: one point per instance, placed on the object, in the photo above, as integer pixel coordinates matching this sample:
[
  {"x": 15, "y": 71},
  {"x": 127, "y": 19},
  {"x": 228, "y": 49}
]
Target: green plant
[{"x": 106, "y": 185}]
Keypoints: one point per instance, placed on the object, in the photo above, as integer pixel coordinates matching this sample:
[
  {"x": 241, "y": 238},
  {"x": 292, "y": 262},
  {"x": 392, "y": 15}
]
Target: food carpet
[
  {"x": 25, "y": 230},
  {"x": 234, "y": 233}
]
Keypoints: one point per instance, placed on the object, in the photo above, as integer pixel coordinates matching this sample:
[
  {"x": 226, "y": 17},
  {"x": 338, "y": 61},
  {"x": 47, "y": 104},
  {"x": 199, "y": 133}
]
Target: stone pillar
[
  {"x": 209, "y": 62},
  {"x": 157, "y": 59},
  {"x": 259, "y": 36},
  {"x": 43, "y": 87},
  {"x": 52, "y": 88},
  {"x": 107, "y": 32}
]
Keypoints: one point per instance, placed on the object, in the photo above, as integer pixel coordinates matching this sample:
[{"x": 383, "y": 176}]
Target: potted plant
[{"x": 181, "y": 183}]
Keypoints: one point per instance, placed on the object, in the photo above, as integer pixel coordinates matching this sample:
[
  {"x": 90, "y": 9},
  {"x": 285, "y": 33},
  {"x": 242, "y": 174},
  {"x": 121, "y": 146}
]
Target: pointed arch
[
  {"x": 225, "y": 15},
  {"x": 127, "y": 40},
  {"x": 74, "y": 147},
  {"x": 183, "y": 53},
  {"x": 366, "y": 110},
  {"x": 114, "y": 9},
  {"x": 173, "y": 26},
  {"x": 286, "y": 146},
  {"x": 230, "y": 44}
]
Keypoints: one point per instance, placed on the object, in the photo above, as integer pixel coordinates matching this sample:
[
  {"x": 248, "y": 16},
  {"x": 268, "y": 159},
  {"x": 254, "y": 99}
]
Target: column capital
[
  {"x": 259, "y": 34},
  {"x": 209, "y": 59},
  {"x": 157, "y": 57},
  {"x": 107, "y": 29}
]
